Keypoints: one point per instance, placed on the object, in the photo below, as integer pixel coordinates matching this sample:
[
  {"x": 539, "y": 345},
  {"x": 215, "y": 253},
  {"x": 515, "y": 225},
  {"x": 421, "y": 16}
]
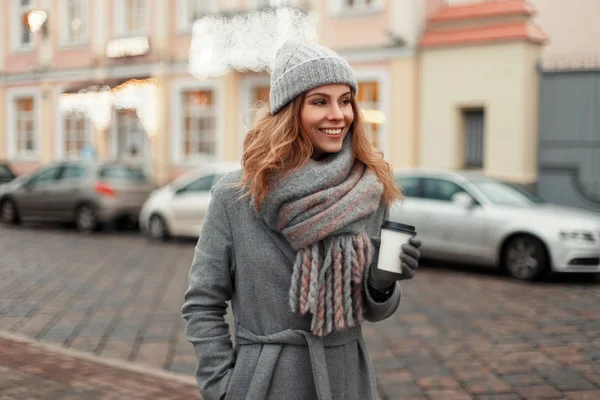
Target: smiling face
[{"x": 325, "y": 117}]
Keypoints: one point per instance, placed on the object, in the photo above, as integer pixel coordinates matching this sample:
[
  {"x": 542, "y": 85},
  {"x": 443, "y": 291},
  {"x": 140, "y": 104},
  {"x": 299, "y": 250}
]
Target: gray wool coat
[{"x": 239, "y": 258}]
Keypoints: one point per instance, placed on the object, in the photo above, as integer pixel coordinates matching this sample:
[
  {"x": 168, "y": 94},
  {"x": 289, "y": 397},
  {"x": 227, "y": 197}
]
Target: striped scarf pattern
[{"x": 322, "y": 209}]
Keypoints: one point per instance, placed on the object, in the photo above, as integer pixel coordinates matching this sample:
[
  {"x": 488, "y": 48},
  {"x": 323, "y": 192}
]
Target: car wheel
[
  {"x": 157, "y": 228},
  {"x": 525, "y": 258},
  {"x": 86, "y": 219},
  {"x": 10, "y": 214}
]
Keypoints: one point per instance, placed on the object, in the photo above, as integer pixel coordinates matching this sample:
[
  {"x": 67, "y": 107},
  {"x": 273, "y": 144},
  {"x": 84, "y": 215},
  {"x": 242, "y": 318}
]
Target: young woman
[{"x": 291, "y": 240}]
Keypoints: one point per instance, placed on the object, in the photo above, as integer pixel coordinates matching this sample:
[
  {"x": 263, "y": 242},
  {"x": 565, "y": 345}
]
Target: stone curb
[{"x": 103, "y": 361}]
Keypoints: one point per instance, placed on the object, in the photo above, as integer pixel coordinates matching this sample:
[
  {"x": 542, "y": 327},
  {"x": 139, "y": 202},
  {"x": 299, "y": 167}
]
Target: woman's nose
[{"x": 335, "y": 112}]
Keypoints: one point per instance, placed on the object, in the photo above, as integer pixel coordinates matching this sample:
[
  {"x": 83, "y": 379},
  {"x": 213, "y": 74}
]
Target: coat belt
[{"x": 273, "y": 344}]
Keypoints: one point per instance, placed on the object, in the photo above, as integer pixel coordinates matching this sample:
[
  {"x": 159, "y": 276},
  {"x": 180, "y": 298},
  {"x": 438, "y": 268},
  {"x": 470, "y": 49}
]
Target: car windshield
[{"x": 506, "y": 193}]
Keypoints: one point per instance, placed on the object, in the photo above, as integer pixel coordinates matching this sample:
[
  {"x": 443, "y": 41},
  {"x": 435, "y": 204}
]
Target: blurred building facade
[
  {"x": 479, "y": 88},
  {"x": 513, "y": 87},
  {"x": 449, "y": 84},
  {"x": 114, "y": 43}
]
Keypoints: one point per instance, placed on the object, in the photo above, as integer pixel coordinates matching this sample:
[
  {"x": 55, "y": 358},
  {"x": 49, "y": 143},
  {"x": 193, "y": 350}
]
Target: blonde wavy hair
[{"x": 277, "y": 143}]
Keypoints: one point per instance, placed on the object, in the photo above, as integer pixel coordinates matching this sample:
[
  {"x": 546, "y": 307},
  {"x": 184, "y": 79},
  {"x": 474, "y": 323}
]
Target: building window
[
  {"x": 358, "y": 3},
  {"x": 192, "y": 10},
  {"x": 353, "y": 7},
  {"x": 25, "y": 127},
  {"x": 134, "y": 17},
  {"x": 370, "y": 103},
  {"x": 74, "y": 26},
  {"x": 199, "y": 133},
  {"x": 272, "y": 3},
  {"x": 76, "y": 135},
  {"x": 132, "y": 138},
  {"x": 23, "y": 39},
  {"x": 474, "y": 129},
  {"x": 260, "y": 95}
]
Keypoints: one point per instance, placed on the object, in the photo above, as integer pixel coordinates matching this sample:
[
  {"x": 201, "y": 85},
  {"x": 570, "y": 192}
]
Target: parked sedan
[
  {"x": 467, "y": 217},
  {"x": 6, "y": 173},
  {"x": 85, "y": 192},
  {"x": 178, "y": 209}
]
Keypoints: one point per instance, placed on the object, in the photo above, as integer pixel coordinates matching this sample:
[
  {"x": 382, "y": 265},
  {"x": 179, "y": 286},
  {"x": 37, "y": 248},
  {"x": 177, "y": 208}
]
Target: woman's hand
[{"x": 409, "y": 257}]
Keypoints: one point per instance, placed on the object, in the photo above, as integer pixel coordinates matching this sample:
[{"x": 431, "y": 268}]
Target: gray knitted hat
[{"x": 300, "y": 67}]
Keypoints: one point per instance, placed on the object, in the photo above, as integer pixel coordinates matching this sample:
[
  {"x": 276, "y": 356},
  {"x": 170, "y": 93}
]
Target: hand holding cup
[{"x": 397, "y": 255}]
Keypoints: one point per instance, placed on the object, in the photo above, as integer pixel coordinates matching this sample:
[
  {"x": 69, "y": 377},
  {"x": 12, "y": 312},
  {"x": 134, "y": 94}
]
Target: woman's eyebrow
[{"x": 325, "y": 94}]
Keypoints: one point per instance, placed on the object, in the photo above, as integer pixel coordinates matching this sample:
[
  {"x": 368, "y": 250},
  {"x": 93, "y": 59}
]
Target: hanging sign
[{"x": 128, "y": 47}]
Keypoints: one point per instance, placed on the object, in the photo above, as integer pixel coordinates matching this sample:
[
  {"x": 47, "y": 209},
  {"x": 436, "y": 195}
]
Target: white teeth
[{"x": 331, "y": 131}]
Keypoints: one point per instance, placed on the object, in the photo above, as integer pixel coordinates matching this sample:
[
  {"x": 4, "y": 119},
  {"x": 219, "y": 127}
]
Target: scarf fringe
[{"x": 327, "y": 282}]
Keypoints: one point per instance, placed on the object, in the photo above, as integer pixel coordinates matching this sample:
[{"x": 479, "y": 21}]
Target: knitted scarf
[{"x": 322, "y": 209}]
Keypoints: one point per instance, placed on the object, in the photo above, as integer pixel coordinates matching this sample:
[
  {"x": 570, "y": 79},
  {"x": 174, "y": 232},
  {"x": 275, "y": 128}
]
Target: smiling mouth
[{"x": 332, "y": 132}]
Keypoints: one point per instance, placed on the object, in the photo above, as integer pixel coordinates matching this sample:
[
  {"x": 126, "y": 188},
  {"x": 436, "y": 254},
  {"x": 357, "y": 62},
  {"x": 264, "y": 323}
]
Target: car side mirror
[{"x": 463, "y": 200}]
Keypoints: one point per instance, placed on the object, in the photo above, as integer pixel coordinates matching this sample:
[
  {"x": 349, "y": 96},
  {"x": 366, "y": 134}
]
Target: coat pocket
[{"x": 243, "y": 372}]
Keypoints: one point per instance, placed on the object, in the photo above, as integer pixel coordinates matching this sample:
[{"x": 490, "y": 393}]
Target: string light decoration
[
  {"x": 142, "y": 96},
  {"x": 247, "y": 41},
  {"x": 96, "y": 103}
]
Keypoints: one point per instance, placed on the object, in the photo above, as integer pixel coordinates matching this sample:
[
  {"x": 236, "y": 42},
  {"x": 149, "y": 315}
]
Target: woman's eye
[
  {"x": 346, "y": 101},
  {"x": 319, "y": 102}
]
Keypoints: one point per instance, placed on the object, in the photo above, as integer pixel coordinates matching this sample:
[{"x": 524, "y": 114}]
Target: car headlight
[{"x": 581, "y": 236}]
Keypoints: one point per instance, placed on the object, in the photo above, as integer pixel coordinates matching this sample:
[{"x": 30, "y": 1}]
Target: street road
[{"x": 460, "y": 333}]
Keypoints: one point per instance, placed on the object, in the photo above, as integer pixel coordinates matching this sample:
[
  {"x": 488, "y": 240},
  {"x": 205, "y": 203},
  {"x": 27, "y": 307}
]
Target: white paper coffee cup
[{"x": 393, "y": 236}]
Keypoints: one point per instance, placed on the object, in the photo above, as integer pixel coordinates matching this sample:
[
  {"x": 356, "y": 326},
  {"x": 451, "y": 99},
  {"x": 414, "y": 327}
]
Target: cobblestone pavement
[
  {"x": 459, "y": 334},
  {"x": 29, "y": 371}
]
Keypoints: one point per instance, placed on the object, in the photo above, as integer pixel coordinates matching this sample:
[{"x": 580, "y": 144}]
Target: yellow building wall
[
  {"x": 403, "y": 117},
  {"x": 161, "y": 139},
  {"x": 339, "y": 32},
  {"x": 532, "y": 94},
  {"x": 502, "y": 78},
  {"x": 3, "y": 116},
  {"x": 231, "y": 85},
  {"x": 49, "y": 112}
]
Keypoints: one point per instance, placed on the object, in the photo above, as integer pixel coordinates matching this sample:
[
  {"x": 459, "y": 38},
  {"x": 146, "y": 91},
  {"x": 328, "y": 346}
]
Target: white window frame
[
  {"x": 65, "y": 40},
  {"x": 16, "y": 25},
  {"x": 247, "y": 87},
  {"x": 183, "y": 23},
  {"x": 87, "y": 136},
  {"x": 177, "y": 152},
  {"x": 339, "y": 8},
  {"x": 120, "y": 16},
  {"x": 382, "y": 77},
  {"x": 11, "y": 123}
]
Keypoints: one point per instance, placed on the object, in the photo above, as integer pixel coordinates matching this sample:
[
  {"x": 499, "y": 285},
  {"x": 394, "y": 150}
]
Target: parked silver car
[
  {"x": 178, "y": 209},
  {"x": 6, "y": 173},
  {"x": 467, "y": 217},
  {"x": 85, "y": 192}
]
